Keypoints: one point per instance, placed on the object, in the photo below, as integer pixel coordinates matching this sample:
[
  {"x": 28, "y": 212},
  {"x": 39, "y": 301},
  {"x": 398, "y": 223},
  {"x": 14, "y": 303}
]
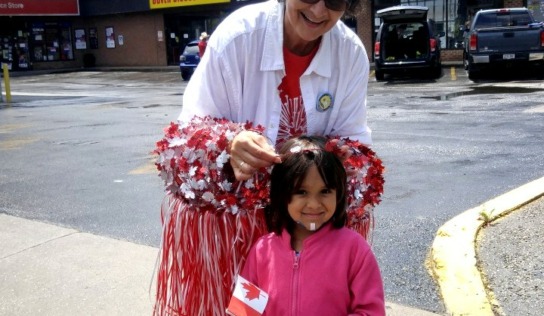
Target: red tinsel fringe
[
  {"x": 201, "y": 254},
  {"x": 364, "y": 225}
]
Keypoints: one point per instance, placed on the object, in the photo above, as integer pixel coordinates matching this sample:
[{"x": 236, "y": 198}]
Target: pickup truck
[{"x": 504, "y": 38}]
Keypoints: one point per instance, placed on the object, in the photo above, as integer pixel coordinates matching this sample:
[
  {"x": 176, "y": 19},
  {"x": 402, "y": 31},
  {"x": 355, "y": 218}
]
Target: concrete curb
[{"x": 453, "y": 262}]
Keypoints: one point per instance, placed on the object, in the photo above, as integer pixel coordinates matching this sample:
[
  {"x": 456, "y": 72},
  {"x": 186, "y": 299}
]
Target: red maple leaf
[{"x": 252, "y": 291}]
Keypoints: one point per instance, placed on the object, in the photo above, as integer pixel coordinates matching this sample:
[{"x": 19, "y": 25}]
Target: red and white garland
[
  {"x": 365, "y": 185},
  {"x": 193, "y": 162}
]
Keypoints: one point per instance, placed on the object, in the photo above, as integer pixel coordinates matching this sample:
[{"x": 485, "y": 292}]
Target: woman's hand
[{"x": 250, "y": 151}]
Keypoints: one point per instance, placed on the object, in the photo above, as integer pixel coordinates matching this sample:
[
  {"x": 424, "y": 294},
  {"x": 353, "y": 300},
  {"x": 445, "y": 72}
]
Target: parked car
[
  {"x": 189, "y": 59},
  {"x": 406, "y": 42},
  {"x": 501, "y": 39}
]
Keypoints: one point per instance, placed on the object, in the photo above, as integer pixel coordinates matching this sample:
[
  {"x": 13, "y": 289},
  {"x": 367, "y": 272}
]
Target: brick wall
[
  {"x": 513, "y": 3},
  {"x": 364, "y": 26},
  {"x": 451, "y": 54},
  {"x": 141, "y": 43}
]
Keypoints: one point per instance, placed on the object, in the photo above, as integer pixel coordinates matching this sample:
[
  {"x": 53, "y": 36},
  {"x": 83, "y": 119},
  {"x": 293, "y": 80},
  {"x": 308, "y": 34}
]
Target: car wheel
[
  {"x": 540, "y": 72},
  {"x": 436, "y": 71},
  {"x": 379, "y": 75},
  {"x": 473, "y": 75},
  {"x": 185, "y": 75}
]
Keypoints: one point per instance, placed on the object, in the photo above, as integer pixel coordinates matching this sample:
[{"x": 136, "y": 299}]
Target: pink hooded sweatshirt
[{"x": 335, "y": 274}]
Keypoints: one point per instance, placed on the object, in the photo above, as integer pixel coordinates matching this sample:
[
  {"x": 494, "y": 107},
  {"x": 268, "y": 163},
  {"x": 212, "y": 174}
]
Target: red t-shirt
[
  {"x": 293, "y": 116},
  {"x": 202, "y": 47}
]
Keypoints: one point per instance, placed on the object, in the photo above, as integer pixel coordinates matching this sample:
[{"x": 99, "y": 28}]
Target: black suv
[{"x": 405, "y": 42}]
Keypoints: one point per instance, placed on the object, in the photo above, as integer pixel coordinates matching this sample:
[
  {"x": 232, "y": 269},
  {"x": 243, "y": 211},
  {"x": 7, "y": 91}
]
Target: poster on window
[
  {"x": 110, "y": 37},
  {"x": 81, "y": 39}
]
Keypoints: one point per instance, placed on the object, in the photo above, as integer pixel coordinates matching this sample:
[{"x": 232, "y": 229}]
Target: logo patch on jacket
[{"x": 324, "y": 102}]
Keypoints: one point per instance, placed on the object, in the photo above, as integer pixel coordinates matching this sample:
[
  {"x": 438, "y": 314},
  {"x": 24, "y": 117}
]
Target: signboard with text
[
  {"x": 161, "y": 4},
  {"x": 39, "y": 7}
]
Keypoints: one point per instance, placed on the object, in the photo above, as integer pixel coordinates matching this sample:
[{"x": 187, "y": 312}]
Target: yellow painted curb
[{"x": 453, "y": 256}]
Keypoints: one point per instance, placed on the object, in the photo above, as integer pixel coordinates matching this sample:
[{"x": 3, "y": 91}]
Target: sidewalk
[
  {"x": 489, "y": 260},
  {"x": 50, "y": 270},
  {"x": 513, "y": 261}
]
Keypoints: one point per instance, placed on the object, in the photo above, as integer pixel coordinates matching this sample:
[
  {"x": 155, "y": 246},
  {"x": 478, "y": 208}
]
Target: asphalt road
[
  {"x": 447, "y": 146},
  {"x": 75, "y": 151}
]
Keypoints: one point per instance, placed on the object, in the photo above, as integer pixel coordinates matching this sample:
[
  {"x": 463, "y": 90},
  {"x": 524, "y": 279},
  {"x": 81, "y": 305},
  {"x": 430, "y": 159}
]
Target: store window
[{"x": 51, "y": 41}]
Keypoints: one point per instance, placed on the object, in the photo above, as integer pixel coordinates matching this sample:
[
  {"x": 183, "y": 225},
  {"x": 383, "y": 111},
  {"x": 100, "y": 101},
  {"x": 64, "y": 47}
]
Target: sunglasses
[{"x": 335, "y": 5}]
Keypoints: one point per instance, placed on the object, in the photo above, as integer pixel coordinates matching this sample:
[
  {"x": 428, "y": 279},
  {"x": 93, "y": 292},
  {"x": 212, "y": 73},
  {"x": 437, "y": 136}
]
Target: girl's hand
[{"x": 250, "y": 151}]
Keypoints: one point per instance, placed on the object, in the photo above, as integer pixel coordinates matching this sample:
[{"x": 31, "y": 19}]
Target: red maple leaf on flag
[{"x": 252, "y": 291}]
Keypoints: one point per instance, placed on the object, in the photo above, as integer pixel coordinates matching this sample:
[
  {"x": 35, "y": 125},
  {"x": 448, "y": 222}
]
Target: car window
[
  {"x": 405, "y": 30},
  {"x": 191, "y": 49},
  {"x": 502, "y": 19}
]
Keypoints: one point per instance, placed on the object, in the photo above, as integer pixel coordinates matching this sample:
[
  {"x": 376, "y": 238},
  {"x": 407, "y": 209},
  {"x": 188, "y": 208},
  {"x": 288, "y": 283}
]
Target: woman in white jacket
[{"x": 271, "y": 71}]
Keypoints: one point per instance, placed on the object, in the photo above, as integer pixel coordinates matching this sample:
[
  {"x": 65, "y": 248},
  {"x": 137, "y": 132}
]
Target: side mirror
[{"x": 441, "y": 34}]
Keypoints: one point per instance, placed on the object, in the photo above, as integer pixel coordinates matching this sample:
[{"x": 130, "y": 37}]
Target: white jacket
[{"x": 239, "y": 75}]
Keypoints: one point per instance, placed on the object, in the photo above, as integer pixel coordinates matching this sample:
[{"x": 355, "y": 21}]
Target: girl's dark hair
[{"x": 298, "y": 155}]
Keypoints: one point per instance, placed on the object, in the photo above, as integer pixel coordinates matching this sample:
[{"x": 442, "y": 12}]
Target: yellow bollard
[{"x": 6, "y": 82}]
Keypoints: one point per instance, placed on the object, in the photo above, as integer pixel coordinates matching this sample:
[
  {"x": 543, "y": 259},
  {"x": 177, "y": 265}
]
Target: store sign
[
  {"x": 39, "y": 7},
  {"x": 161, "y": 4}
]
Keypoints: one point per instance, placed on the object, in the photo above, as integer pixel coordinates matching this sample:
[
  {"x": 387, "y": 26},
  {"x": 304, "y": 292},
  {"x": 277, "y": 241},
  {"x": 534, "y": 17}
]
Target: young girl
[{"x": 310, "y": 264}]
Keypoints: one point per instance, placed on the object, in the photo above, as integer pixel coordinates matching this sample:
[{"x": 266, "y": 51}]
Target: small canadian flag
[{"x": 247, "y": 299}]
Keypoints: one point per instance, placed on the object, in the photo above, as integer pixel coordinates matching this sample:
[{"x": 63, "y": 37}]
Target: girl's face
[
  {"x": 312, "y": 205},
  {"x": 305, "y": 23}
]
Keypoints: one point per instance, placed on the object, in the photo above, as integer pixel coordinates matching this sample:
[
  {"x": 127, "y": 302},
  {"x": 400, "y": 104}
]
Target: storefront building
[
  {"x": 50, "y": 34},
  {"x": 31, "y": 32}
]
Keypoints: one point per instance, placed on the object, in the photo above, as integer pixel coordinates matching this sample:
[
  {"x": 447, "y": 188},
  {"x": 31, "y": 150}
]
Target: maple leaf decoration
[{"x": 253, "y": 292}]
